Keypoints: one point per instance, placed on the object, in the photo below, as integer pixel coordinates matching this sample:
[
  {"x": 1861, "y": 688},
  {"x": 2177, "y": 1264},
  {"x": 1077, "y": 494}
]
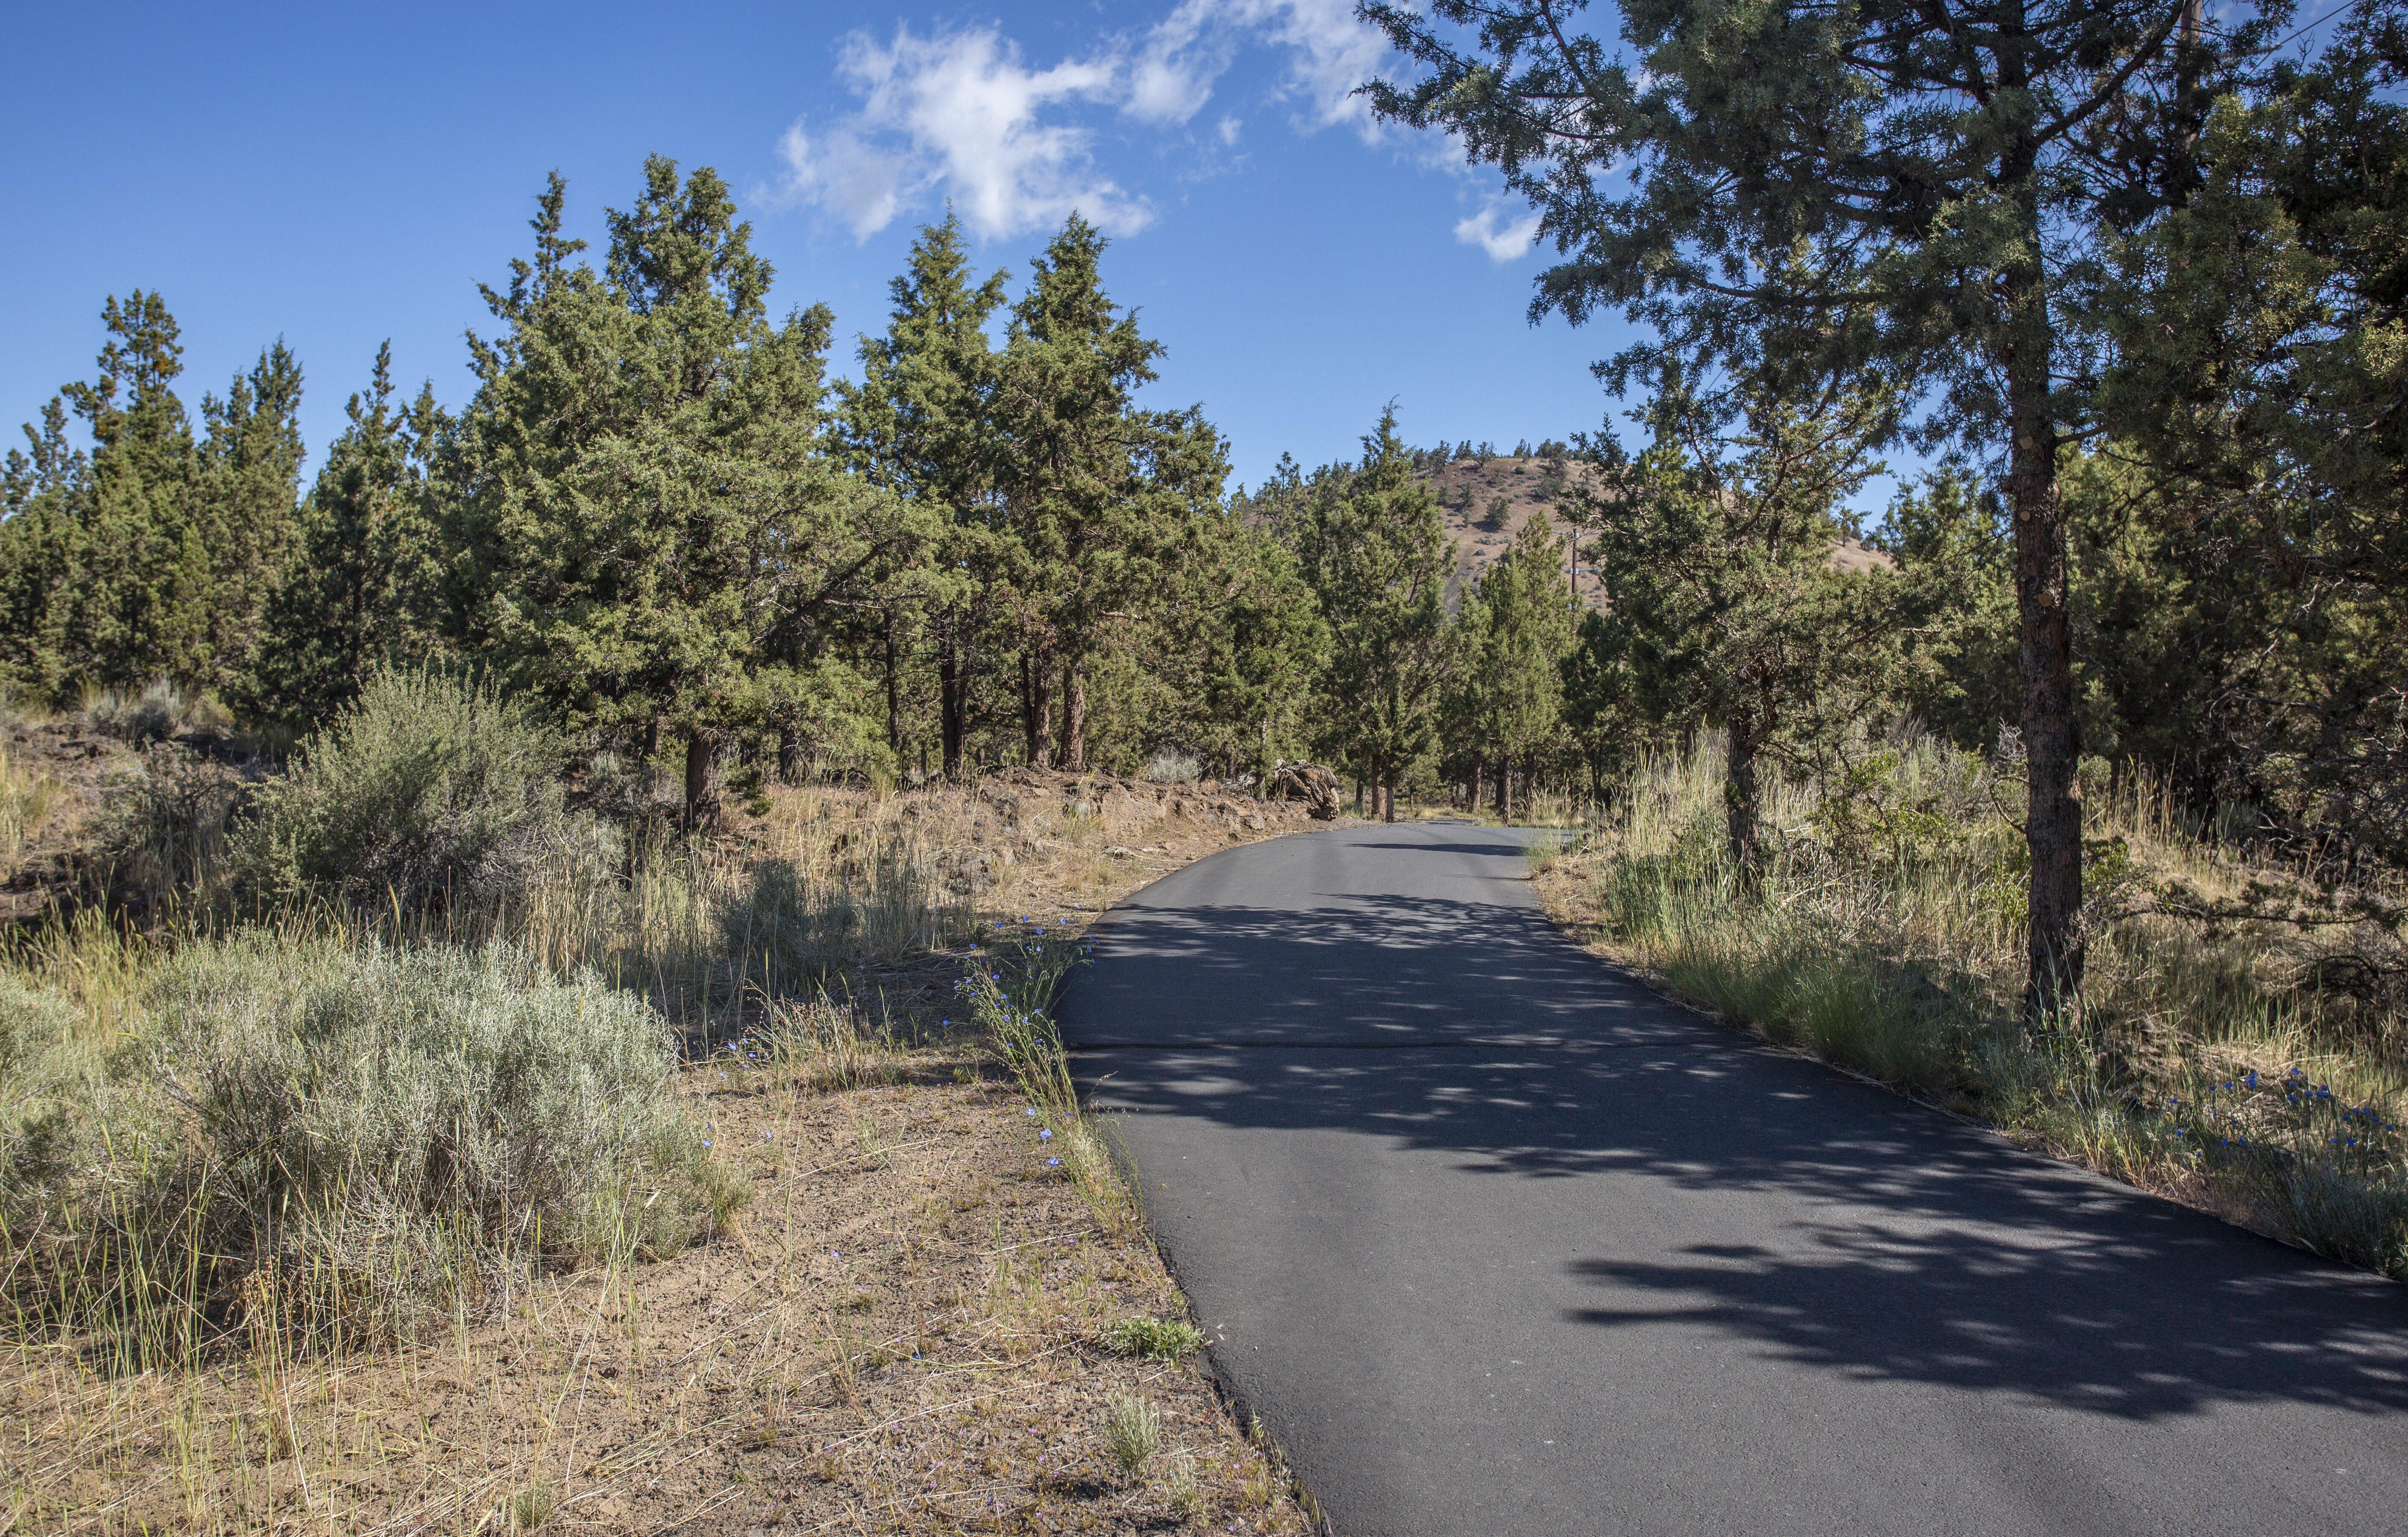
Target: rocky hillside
[{"x": 1486, "y": 501}]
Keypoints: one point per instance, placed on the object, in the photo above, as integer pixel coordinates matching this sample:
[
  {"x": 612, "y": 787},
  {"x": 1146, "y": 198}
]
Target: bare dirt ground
[{"x": 903, "y": 1332}]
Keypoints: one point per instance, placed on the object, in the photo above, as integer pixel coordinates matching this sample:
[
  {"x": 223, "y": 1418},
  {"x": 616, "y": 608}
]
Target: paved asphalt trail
[{"x": 1496, "y": 1242}]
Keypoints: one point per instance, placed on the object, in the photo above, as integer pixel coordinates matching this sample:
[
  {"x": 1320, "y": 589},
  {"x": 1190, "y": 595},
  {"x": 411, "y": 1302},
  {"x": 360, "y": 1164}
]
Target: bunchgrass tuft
[
  {"x": 1165, "y": 1339},
  {"x": 1133, "y": 1431},
  {"x": 1010, "y": 997}
]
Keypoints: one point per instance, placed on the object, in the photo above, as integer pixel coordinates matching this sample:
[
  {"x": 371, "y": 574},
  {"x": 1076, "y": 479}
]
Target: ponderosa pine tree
[
  {"x": 1927, "y": 182},
  {"x": 1375, "y": 551}
]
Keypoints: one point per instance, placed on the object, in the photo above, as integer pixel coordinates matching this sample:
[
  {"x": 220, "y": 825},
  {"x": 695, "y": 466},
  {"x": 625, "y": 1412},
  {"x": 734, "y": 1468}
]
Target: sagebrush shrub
[
  {"x": 346, "y": 1144},
  {"x": 1168, "y": 766},
  {"x": 424, "y": 792}
]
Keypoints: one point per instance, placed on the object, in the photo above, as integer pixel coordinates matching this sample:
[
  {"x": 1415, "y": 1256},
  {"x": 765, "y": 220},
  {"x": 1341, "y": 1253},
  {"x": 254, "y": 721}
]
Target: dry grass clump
[
  {"x": 25, "y": 801},
  {"x": 1887, "y": 935},
  {"x": 161, "y": 710}
]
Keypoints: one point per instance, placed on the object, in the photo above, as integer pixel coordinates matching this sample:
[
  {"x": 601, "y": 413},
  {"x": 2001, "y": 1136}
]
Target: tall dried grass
[
  {"x": 1887, "y": 935},
  {"x": 25, "y": 803}
]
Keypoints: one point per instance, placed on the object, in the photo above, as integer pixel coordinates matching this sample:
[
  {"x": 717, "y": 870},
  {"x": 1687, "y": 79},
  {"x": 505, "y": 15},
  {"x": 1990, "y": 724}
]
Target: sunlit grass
[{"x": 1888, "y": 936}]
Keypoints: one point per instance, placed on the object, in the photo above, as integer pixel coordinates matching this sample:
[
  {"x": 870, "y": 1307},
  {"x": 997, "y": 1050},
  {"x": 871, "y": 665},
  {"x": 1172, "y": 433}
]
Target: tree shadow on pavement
[{"x": 1905, "y": 1246}]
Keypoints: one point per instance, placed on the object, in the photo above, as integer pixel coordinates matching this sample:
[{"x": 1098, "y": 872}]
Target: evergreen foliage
[
  {"x": 1375, "y": 553},
  {"x": 358, "y": 591},
  {"x": 649, "y": 533},
  {"x": 659, "y": 524},
  {"x": 153, "y": 555},
  {"x": 1921, "y": 188},
  {"x": 1717, "y": 552}
]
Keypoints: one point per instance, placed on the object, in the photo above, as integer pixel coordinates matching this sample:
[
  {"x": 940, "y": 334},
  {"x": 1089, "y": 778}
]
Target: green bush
[
  {"x": 424, "y": 792},
  {"x": 343, "y": 1145}
]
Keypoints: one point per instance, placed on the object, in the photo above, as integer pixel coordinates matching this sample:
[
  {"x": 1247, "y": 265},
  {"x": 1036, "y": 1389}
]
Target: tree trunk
[
  {"x": 1740, "y": 793},
  {"x": 1505, "y": 786},
  {"x": 1388, "y": 798},
  {"x": 894, "y": 695},
  {"x": 2052, "y": 745},
  {"x": 790, "y": 756},
  {"x": 951, "y": 703},
  {"x": 701, "y": 757},
  {"x": 1074, "y": 719},
  {"x": 1037, "y": 709},
  {"x": 1479, "y": 781}
]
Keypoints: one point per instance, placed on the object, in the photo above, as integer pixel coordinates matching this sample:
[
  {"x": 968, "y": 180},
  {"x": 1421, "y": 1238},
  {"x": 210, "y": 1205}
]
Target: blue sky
[{"x": 337, "y": 176}]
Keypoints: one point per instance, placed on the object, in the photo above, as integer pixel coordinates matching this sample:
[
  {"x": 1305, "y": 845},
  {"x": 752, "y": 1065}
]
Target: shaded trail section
[{"x": 1495, "y": 1241}]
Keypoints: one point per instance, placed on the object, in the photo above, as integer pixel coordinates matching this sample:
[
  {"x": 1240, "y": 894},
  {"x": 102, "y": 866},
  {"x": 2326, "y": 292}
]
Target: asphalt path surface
[{"x": 1495, "y": 1241}]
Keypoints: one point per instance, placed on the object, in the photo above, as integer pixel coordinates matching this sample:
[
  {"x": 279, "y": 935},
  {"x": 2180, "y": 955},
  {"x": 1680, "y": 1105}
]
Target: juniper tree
[
  {"x": 151, "y": 556},
  {"x": 1528, "y": 629},
  {"x": 1098, "y": 494},
  {"x": 653, "y": 532},
  {"x": 2260, "y": 395},
  {"x": 1263, "y": 641},
  {"x": 919, "y": 424},
  {"x": 1716, "y": 551},
  {"x": 1599, "y": 698},
  {"x": 1925, "y": 181},
  {"x": 358, "y": 589},
  {"x": 1375, "y": 553}
]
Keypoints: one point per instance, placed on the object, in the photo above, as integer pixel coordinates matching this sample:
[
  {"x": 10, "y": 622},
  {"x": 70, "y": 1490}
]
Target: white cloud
[
  {"x": 1487, "y": 230},
  {"x": 859, "y": 184},
  {"x": 961, "y": 115},
  {"x": 1330, "y": 53},
  {"x": 1333, "y": 54}
]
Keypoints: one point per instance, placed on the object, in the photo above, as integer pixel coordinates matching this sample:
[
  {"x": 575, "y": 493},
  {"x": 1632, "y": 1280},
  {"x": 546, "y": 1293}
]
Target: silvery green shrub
[
  {"x": 351, "y": 1143},
  {"x": 427, "y": 791}
]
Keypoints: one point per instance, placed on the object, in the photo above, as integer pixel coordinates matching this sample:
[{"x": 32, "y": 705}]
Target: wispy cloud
[
  {"x": 963, "y": 115},
  {"x": 1492, "y": 231},
  {"x": 960, "y": 112}
]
